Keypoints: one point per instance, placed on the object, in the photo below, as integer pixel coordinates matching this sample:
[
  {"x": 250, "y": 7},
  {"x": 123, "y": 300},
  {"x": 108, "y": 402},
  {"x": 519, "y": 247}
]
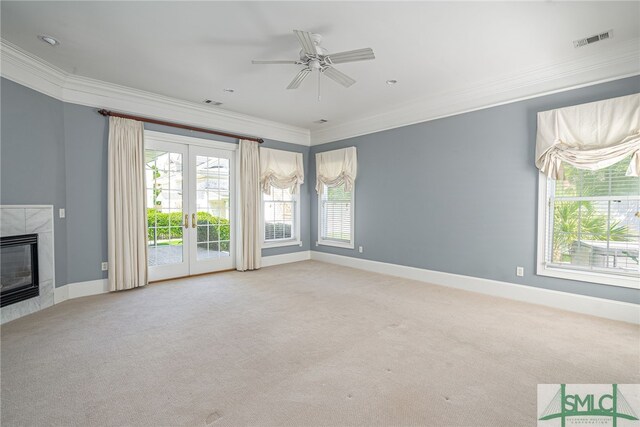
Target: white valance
[
  {"x": 280, "y": 169},
  {"x": 590, "y": 136},
  {"x": 336, "y": 167}
]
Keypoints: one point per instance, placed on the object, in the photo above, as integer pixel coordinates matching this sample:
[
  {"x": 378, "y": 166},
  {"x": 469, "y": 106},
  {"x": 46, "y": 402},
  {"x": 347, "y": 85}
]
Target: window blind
[
  {"x": 336, "y": 214},
  {"x": 279, "y": 215},
  {"x": 594, "y": 220}
]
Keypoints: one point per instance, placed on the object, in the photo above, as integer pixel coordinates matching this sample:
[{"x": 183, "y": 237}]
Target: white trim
[
  {"x": 269, "y": 261},
  {"x": 28, "y": 207},
  {"x": 588, "y": 276},
  {"x": 31, "y": 71},
  {"x": 152, "y": 135},
  {"x": 80, "y": 289},
  {"x": 280, "y": 243},
  {"x": 101, "y": 286},
  {"x": 60, "y": 294},
  {"x": 336, "y": 244},
  {"x": 600, "y": 307},
  {"x": 37, "y": 74},
  {"x": 617, "y": 62},
  {"x": 542, "y": 269}
]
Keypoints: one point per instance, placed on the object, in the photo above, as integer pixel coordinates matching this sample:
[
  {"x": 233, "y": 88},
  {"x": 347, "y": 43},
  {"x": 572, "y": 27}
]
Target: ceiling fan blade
[
  {"x": 338, "y": 76},
  {"x": 306, "y": 42},
  {"x": 351, "y": 56},
  {"x": 295, "y": 83},
  {"x": 259, "y": 61}
]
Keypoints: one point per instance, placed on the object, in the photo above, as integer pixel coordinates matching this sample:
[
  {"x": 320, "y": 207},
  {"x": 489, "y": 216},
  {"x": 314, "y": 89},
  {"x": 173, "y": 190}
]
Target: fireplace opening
[{"x": 18, "y": 268}]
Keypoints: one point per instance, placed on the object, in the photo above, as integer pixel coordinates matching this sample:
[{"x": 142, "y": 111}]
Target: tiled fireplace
[{"x": 21, "y": 228}]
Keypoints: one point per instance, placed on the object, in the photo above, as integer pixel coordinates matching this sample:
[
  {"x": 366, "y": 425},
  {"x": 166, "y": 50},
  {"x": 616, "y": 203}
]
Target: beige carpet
[{"x": 300, "y": 344}]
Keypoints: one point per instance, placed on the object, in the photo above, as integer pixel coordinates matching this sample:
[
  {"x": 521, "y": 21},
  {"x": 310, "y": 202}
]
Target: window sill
[
  {"x": 346, "y": 245},
  {"x": 279, "y": 244},
  {"x": 589, "y": 276}
]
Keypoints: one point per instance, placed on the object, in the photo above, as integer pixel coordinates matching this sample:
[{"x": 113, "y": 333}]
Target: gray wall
[
  {"x": 86, "y": 134},
  {"x": 462, "y": 172},
  {"x": 32, "y": 160},
  {"x": 56, "y": 153},
  {"x": 459, "y": 194}
]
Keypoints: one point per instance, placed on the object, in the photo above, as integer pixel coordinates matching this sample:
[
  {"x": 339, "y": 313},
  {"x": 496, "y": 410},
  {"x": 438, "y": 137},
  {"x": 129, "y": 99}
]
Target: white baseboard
[
  {"x": 80, "y": 289},
  {"x": 101, "y": 286},
  {"x": 60, "y": 294},
  {"x": 609, "y": 309},
  {"x": 268, "y": 261}
]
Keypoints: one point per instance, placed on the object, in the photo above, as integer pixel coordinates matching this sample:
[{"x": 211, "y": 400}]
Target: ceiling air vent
[
  {"x": 593, "y": 39},
  {"x": 210, "y": 102}
]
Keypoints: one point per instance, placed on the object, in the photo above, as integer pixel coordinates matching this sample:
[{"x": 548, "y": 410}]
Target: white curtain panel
[
  {"x": 249, "y": 255},
  {"x": 280, "y": 169},
  {"x": 335, "y": 168},
  {"x": 127, "y": 216},
  {"x": 590, "y": 136}
]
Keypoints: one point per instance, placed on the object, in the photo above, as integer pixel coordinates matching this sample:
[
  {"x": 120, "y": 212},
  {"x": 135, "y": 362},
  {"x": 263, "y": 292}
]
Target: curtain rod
[{"x": 178, "y": 125}]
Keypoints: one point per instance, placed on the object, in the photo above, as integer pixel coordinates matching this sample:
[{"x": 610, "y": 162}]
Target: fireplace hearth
[{"x": 18, "y": 268}]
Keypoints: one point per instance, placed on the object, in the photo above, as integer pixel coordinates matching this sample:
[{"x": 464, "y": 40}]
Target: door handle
[
  {"x": 186, "y": 220},
  {"x": 193, "y": 220}
]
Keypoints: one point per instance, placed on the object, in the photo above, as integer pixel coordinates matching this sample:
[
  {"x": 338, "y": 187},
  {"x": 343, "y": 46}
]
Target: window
[
  {"x": 336, "y": 206},
  {"x": 591, "y": 229},
  {"x": 281, "y": 217}
]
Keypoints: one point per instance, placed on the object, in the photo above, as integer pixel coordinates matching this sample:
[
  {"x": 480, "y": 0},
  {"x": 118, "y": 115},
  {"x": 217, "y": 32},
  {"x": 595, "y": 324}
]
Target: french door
[{"x": 189, "y": 208}]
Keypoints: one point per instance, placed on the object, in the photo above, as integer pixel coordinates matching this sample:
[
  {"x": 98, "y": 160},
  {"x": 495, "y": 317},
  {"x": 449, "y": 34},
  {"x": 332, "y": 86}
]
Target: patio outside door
[{"x": 189, "y": 208}]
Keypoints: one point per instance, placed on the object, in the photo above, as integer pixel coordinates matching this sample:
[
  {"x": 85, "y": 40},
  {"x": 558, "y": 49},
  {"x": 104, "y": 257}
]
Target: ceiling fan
[{"x": 316, "y": 58}]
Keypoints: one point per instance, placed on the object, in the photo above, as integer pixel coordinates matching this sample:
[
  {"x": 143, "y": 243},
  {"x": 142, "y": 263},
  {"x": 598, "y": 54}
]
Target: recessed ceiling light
[
  {"x": 228, "y": 90},
  {"x": 211, "y": 102},
  {"x": 392, "y": 82},
  {"x": 48, "y": 40}
]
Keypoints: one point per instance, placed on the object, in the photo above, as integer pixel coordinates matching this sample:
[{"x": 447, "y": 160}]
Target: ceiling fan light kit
[{"x": 316, "y": 58}]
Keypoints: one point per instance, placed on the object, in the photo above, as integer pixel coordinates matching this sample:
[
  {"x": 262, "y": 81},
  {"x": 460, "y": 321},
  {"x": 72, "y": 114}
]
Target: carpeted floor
[{"x": 300, "y": 344}]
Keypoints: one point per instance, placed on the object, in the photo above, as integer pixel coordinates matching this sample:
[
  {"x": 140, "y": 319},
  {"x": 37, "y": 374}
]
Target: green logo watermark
[{"x": 588, "y": 404}]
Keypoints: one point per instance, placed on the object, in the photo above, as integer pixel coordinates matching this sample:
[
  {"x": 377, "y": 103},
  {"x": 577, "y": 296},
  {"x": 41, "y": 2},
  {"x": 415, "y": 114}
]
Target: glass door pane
[
  {"x": 212, "y": 202},
  {"x": 164, "y": 182}
]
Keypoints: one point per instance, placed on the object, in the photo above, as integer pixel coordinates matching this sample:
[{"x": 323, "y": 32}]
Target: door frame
[{"x": 161, "y": 139}]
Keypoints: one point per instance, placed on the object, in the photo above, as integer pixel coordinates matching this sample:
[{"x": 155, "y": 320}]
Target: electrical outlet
[
  {"x": 62, "y": 213},
  {"x": 360, "y": 249},
  {"x": 300, "y": 244},
  {"x": 105, "y": 266},
  {"x": 519, "y": 271},
  {"x": 317, "y": 244}
]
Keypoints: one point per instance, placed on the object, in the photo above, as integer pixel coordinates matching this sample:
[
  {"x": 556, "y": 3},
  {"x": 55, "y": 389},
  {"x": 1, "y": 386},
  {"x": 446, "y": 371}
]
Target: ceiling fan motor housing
[{"x": 318, "y": 57}]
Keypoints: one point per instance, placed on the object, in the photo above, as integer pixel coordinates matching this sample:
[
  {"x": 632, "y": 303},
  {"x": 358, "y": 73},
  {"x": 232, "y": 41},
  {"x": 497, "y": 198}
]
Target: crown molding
[
  {"x": 33, "y": 72},
  {"x": 618, "y": 62}
]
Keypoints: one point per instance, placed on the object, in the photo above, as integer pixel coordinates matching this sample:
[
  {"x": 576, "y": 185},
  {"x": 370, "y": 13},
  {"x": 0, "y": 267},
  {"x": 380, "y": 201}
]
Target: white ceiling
[{"x": 193, "y": 50}]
